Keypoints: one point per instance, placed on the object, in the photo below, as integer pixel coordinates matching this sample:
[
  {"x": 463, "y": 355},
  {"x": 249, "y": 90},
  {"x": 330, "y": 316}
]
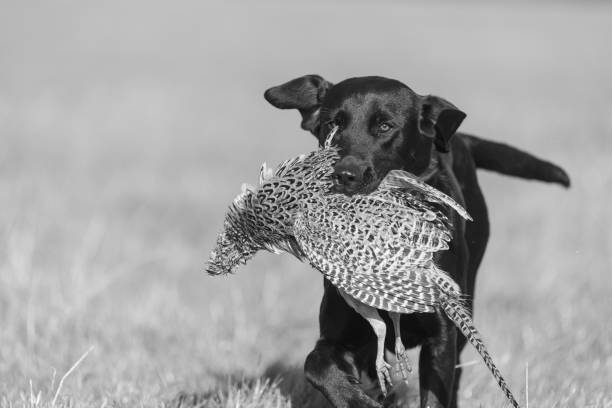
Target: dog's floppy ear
[
  {"x": 439, "y": 119},
  {"x": 304, "y": 94}
]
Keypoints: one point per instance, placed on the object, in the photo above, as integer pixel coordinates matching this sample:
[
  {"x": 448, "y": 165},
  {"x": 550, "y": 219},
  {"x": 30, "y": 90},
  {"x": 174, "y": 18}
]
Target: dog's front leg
[
  {"x": 437, "y": 366},
  {"x": 332, "y": 370}
]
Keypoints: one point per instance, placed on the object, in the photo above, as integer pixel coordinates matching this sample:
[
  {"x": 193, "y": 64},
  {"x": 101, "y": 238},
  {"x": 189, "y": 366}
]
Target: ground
[{"x": 127, "y": 128}]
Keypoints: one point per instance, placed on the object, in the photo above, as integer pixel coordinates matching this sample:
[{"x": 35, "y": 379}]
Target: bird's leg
[
  {"x": 400, "y": 351},
  {"x": 380, "y": 329},
  {"x": 382, "y": 367}
]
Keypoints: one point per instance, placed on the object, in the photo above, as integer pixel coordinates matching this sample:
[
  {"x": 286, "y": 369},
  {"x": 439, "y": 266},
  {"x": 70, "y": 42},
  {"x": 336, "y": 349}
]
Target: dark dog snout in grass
[{"x": 384, "y": 125}]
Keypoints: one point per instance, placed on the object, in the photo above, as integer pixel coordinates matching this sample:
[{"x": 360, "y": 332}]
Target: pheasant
[{"x": 377, "y": 249}]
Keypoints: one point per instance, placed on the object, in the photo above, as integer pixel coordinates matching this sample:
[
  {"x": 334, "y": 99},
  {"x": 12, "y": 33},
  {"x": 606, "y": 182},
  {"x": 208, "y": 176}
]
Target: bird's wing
[
  {"x": 403, "y": 180},
  {"x": 388, "y": 270},
  {"x": 411, "y": 201},
  {"x": 394, "y": 230}
]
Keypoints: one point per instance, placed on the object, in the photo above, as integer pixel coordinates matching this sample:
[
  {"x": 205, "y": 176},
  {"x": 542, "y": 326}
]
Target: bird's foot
[
  {"x": 384, "y": 375},
  {"x": 403, "y": 362}
]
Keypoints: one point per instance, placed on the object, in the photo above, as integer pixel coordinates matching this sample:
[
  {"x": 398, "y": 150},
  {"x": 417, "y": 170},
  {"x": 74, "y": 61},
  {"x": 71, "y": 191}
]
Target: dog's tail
[{"x": 504, "y": 159}]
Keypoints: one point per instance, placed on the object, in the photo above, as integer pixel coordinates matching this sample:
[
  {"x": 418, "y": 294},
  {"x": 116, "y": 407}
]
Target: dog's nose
[
  {"x": 344, "y": 177},
  {"x": 350, "y": 175}
]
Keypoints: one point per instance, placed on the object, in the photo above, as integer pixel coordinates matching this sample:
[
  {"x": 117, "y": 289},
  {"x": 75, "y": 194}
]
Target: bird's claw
[
  {"x": 403, "y": 362},
  {"x": 384, "y": 376}
]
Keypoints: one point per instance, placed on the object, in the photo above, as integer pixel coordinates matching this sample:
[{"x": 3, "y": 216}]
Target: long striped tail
[{"x": 455, "y": 310}]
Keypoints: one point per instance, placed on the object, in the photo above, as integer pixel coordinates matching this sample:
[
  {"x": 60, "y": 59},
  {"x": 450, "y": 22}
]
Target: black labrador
[{"x": 384, "y": 125}]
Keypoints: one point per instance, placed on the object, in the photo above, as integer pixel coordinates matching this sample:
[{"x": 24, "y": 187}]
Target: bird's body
[{"x": 377, "y": 249}]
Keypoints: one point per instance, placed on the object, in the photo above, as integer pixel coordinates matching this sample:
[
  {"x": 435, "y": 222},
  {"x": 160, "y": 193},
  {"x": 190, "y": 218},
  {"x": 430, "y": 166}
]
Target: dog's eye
[{"x": 384, "y": 127}]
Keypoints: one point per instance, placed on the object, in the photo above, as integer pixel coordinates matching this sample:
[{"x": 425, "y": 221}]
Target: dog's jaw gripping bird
[{"x": 377, "y": 249}]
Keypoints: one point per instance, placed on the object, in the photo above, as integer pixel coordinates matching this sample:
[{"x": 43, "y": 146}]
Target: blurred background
[{"x": 127, "y": 127}]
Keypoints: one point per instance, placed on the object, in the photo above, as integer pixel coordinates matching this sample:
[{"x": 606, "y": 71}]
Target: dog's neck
[
  {"x": 440, "y": 171},
  {"x": 432, "y": 169}
]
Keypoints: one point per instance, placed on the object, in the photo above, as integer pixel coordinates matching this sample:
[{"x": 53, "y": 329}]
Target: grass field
[{"x": 127, "y": 127}]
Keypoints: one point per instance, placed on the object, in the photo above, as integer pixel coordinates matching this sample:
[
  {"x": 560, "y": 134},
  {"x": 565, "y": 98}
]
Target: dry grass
[{"x": 127, "y": 128}]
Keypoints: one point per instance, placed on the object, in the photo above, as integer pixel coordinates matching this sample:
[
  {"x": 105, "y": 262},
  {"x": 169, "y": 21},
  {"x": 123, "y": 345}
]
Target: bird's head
[
  {"x": 261, "y": 217},
  {"x": 229, "y": 252},
  {"x": 234, "y": 244}
]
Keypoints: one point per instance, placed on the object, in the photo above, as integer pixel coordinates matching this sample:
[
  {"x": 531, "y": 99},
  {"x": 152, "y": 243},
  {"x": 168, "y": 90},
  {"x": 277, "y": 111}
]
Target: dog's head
[{"x": 383, "y": 125}]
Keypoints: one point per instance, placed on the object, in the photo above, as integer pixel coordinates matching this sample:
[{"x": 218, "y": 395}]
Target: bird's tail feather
[{"x": 462, "y": 319}]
